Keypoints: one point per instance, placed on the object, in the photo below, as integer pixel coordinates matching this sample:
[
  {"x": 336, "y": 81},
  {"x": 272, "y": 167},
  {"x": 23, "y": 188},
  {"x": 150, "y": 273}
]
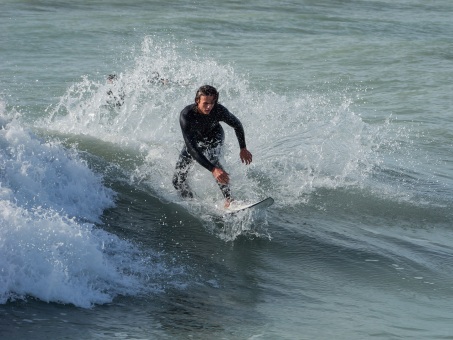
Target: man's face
[{"x": 205, "y": 104}]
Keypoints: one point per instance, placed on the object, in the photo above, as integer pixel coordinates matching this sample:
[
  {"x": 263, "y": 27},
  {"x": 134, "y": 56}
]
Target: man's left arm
[{"x": 235, "y": 123}]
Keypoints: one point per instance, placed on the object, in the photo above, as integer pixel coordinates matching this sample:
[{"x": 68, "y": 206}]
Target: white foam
[
  {"x": 44, "y": 174},
  {"x": 45, "y": 250},
  {"x": 53, "y": 258}
]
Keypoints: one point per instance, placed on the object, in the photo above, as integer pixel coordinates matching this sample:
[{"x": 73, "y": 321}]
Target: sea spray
[{"x": 301, "y": 141}]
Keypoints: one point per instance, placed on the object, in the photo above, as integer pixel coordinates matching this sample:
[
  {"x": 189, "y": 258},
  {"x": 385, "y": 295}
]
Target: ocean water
[{"x": 347, "y": 111}]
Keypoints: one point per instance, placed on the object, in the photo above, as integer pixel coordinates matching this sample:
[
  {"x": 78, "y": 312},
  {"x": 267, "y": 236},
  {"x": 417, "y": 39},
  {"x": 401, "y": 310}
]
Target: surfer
[
  {"x": 157, "y": 79},
  {"x": 204, "y": 136},
  {"x": 113, "y": 99}
]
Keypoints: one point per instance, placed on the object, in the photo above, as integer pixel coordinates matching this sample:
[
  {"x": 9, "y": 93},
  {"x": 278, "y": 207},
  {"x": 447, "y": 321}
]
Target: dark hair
[
  {"x": 112, "y": 77},
  {"x": 207, "y": 90}
]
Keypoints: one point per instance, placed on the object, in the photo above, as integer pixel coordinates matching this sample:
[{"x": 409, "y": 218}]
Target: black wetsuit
[{"x": 203, "y": 137}]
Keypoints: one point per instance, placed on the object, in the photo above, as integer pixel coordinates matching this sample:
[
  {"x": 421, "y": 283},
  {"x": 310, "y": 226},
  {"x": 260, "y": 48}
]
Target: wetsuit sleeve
[
  {"x": 236, "y": 124},
  {"x": 191, "y": 142}
]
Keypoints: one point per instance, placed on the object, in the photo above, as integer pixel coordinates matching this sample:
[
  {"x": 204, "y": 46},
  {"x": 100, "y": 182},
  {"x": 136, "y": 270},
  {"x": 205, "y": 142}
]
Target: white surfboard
[{"x": 265, "y": 203}]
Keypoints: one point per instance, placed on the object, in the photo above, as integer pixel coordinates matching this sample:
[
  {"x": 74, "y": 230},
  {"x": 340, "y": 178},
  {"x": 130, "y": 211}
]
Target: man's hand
[
  {"x": 246, "y": 156},
  {"x": 221, "y": 176}
]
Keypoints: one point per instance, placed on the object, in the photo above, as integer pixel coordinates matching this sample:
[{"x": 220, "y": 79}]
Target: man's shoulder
[
  {"x": 220, "y": 109},
  {"x": 188, "y": 109}
]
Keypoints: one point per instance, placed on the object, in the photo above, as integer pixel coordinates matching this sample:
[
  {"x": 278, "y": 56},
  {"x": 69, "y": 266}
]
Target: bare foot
[{"x": 227, "y": 203}]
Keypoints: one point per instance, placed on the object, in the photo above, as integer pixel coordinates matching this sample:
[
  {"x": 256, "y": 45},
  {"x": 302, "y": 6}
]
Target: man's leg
[{"x": 182, "y": 168}]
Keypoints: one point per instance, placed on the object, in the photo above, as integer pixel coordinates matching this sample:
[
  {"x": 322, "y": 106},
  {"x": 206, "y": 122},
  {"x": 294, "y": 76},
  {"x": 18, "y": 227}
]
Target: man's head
[
  {"x": 206, "y": 97},
  {"x": 111, "y": 78}
]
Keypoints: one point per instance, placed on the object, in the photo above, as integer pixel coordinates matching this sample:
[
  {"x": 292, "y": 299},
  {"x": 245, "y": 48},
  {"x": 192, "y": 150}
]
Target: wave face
[{"x": 347, "y": 111}]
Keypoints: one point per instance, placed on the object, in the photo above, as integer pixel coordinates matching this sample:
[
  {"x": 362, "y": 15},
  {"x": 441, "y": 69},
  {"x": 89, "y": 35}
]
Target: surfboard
[{"x": 263, "y": 204}]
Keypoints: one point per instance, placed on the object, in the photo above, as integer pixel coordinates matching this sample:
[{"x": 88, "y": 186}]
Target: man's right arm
[{"x": 190, "y": 139}]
